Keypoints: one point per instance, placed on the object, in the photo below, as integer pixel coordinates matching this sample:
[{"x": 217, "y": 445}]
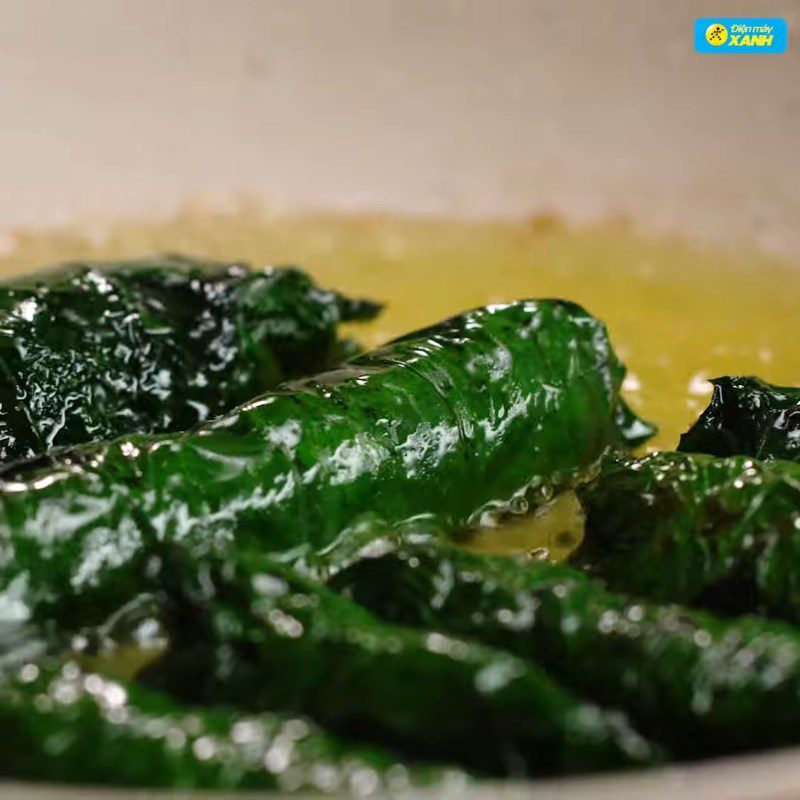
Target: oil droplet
[{"x": 555, "y": 528}]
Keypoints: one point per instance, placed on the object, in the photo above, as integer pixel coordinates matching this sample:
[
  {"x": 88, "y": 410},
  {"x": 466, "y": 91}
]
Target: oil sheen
[{"x": 678, "y": 313}]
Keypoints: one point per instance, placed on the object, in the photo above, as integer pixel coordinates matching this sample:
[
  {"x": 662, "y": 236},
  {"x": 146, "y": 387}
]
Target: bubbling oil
[{"x": 678, "y": 313}]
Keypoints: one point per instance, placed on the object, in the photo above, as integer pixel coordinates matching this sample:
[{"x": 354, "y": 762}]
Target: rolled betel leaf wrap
[
  {"x": 689, "y": 528},
  {"x": 452, "y": 423},
  {"x": 65, "y": 724},
  {"x": 99, "y": 349},
  {"x": 698, "y": 683},
  {"x": 747, "y": 416},
  {"x": 250, "y": 633},
  {"x": 70, "y": 713}
]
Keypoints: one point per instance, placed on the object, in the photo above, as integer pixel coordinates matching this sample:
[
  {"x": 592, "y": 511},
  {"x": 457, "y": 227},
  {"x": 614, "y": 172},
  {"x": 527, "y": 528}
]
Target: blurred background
[{"x": 587, "y": 109}]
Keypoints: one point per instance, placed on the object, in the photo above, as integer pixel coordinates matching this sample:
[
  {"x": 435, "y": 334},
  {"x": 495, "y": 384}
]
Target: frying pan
[{"x": 114, "y": 109}]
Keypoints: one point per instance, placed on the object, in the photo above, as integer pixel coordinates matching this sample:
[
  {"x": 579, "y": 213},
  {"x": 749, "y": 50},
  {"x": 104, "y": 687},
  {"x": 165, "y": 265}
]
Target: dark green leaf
[
  {"x": 747, "y": 416},
  {"x": 102, "y": 349}
]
